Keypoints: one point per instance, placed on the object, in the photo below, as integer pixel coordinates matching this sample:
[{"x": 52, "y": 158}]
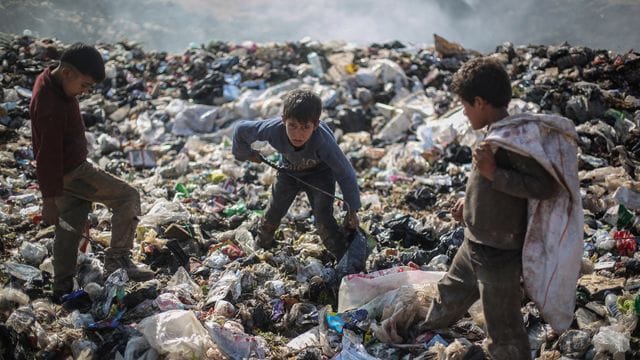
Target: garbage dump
[{"x": 163, "y": 122}]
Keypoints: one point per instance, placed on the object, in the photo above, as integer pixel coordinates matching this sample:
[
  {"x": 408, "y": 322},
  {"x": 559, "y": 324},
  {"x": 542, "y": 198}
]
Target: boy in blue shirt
[{"x": 309, "y": 152}]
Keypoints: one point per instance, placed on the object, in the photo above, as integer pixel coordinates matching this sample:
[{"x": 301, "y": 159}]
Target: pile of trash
[{"x": 163, "y": 121}]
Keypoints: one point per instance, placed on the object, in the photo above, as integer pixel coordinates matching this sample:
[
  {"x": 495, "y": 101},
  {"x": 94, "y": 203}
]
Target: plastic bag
[
  {"x": 164, "y": 212},
  {"x": 138, "y": 348},
  {"x": 176, "y": 332},
  {"x": 224, "y": 308},
  {"x": 22, "y": 319},
  {"x": 83, "y": 349},
  {"x": 329, "y": 340},
  {"x": 23, "y": 272},
  {"x": 79, "y": 320},
  {"x": 358, "y": 289},
  {"x": 47, "y": 265},
  {"x": 305, "y": 340},
  {"x": 574, "y": 343},
  {"x": 301, "y": 316},
  {"x": 194, "y": 119},
  {"x": 352, "y": 349},
  {"x": 182, "y": 285},
  {"x": 387, "y": 71},
  {"x": 33, "y": 253},
  {"x": 314, "y": 268},
  {"x": 236, "y": 344},
  {"x": 90, "y": 270},
  {"x": 350, "y": 319},
  {"x": 169, "y": 301},
  {"x": 178, "y": 167},
  {"x": 229, "y": 283},
  {"x": 459, "y": 349},
  {"x": 114, "y": 286},
  {"x": 395, "y": 128},
  {"x": 627, "y": 197},
  {"x": 217, "y": 261},
  {"x": 610, "y": 340},
  {"x": 10, "y": 298},
  {"x": 400, "y": 310},
  {"x": 355, "y": 258},
  {"x": 150, "y": 128},
  {"x": 477, "y": 313}
]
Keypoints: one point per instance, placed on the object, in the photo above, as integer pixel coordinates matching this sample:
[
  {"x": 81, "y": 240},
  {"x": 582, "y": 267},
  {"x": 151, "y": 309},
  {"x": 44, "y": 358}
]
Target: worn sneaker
[
  {"x": 134, "y": 272},
  {"x": 265, "y": 235},
  {"x": 60, "y": 290},
  {"x": 336, "y": 248},
  {"x": 56, "y": 297}
]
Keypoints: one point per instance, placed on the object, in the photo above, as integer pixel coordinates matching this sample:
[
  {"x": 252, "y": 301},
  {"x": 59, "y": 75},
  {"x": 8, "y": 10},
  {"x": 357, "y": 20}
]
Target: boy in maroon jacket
[{"x": 69, "y": 184}]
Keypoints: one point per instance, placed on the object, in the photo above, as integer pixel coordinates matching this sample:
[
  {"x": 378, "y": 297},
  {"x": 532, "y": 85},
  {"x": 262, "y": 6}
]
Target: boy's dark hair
[
  {"x": 483, "y": 77},
  {"x": 302, "y": 105},
  {"x": 86, "y": 59}
]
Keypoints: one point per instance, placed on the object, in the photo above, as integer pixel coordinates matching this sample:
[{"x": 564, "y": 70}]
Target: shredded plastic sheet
[
  {"x": 553, "y": 246},
  {"x": 358, "y": 289},
  {"x": 176, "y": 332}
]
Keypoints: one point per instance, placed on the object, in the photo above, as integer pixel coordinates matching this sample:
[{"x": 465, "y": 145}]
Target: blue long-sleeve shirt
[{"x": 321, "y": 148}]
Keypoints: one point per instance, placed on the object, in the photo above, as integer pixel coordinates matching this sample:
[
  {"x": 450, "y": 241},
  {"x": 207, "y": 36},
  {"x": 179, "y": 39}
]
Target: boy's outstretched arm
[
  {"x": 245, "y": 133},
  {"x": 345, "y": 177}
]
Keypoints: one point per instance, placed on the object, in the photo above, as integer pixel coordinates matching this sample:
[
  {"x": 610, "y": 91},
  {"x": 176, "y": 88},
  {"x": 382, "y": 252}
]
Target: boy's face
[
  {"x": 476, "y": 112},
  {"x": 299, "y": 132},
  {"x": 76, "y": 83}
]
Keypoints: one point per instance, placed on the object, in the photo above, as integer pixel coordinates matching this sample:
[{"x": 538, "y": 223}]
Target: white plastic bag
[
  {"x": 236, "y": 344},
  {"x": 138, "y": 348},
  {"x": 176, "y": 332},
  {"x": 307, "y": 339},
  {"x": 181, "y": 283},
  {"x": 611, "y": 341},
  {"x": 352, "y": 349},
  {"x": 163, "y": 212},
  {"x": 400, "y": 310},
  {"x": 228, "y": 283},
  {"x": 33, "y": 253},
  {"x": 195, "y": 119},
  {"x": 358, "y": 289}
]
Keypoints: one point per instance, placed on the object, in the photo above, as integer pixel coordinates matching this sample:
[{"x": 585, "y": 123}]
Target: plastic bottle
[
  {"x": 316, "y": 64},
  {"x": 182, "y": 190},
  {"x": 610, "y": 302},
  {"x": 237, "y": 209}
]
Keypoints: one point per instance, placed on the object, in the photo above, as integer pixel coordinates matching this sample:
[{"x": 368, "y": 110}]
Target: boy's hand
[
  {"x": 50, "y": 211},
  {"x": 255, "y": 157},
  {"x": 351, "y": 220},
  {"x": 485, "y": 161},
  {"x": 457, "y": 210}
]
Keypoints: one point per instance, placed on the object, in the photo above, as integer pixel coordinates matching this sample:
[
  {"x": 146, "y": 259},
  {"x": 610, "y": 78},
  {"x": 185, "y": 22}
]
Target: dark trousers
[
  {"x": 284, "y": 191},
  {"x": 493, "y": 276}
]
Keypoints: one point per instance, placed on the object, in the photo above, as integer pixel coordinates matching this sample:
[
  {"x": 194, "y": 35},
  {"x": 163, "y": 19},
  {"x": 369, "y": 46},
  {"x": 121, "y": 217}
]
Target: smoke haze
[{"x": 172, "y": 25}]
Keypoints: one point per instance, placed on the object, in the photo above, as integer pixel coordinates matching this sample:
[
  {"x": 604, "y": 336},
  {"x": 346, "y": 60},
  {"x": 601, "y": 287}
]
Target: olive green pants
[
  {"x": 493, "y": 276},
  {"x": 81, "y": 187}
]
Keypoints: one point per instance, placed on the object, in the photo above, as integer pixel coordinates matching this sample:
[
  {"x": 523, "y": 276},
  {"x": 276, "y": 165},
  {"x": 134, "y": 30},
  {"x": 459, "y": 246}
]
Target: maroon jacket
[{"x": 57, "y": 133}]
